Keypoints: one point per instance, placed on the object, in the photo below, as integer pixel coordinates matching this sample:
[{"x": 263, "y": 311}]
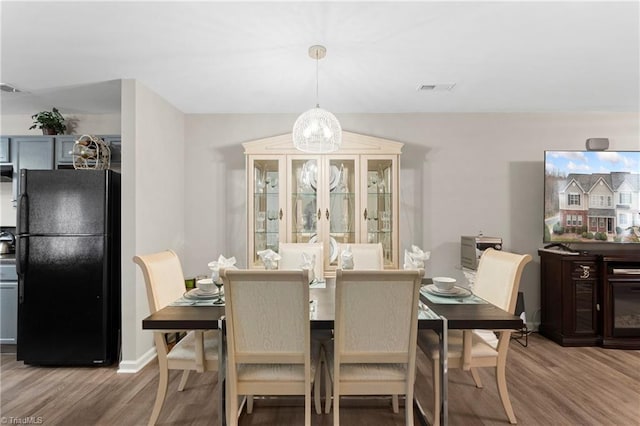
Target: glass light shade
[{"x": 317, "y": 131}]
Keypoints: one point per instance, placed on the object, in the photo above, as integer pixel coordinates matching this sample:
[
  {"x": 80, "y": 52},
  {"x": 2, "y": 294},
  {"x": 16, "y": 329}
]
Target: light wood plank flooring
[{"x": 549, "y": 385}]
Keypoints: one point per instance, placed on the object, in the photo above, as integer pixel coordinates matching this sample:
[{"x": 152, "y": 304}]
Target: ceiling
[{"x": 241, "y": 57}]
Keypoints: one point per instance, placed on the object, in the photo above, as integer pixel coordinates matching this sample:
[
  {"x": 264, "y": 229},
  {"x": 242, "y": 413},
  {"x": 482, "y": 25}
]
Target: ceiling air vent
[
  {"x": 8, "y": 88},
  {"x": 436, "y": 87}
]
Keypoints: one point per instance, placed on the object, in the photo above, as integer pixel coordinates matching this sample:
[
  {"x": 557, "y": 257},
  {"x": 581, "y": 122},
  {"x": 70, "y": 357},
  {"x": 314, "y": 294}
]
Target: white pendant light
[{"x": 317, "y": 130}]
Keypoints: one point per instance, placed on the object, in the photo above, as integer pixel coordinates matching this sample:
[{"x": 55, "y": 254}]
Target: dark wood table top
[{"x": 459, "y": 316}]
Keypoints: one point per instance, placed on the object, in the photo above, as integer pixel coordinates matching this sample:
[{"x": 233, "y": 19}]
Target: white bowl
[
  {"x": 206, "y": 285},
  {"x": 443, "y": 283}
]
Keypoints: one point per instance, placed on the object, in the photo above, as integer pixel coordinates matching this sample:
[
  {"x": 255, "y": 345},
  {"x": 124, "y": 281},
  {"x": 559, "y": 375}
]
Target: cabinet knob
[
  {"x": 326, "y": 213},
  {"x": 597, "y": 306},
  {"x": 365, "y": 214},
  {"x": 280, "y": 213},
  {"x": 319, "y": 214}
]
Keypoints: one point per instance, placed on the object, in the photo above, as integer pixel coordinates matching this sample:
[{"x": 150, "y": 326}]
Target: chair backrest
[
  {"x": 376, "y": 315},
  {"x": 163, "y": 278},
  {"x": 291, "y": 256},
  {"x": 498, "y": 277},
  {"x": 366, "y": 257},
  {"x": 267, "y": 316}
]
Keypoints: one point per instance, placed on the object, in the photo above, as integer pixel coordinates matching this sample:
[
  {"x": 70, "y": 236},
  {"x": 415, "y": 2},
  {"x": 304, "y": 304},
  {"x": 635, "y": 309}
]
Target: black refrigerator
[{"x": 68, "y": 264}]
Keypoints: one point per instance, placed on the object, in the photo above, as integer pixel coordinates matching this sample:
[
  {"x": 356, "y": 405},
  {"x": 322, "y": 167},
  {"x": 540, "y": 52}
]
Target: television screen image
[{"x": 592, "y": 197}]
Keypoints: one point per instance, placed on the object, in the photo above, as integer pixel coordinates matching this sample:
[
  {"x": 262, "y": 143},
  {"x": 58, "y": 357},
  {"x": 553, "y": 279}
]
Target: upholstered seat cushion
[
  {"x": 366, "y": 372},
  {"x": 279, "y": 372},
  {"x": 185, "y": 348}
]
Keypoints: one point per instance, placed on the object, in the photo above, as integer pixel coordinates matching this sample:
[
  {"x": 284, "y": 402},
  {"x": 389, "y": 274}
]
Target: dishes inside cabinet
[
  {"x": 310, "y": 175},
  {"x": 333, "y": 246}
]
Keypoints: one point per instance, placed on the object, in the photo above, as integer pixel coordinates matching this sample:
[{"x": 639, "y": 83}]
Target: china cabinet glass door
[
  {"x": 267, "y": 205},
  {"x": 341, "y": 204},
  {"x": 380, "y": 203},
  {"x": 304, "y": 209}
]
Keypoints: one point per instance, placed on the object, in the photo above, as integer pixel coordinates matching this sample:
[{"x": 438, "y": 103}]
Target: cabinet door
[
  {"x": 266, "y": 205},
  {"x": 64, "y": 149},
  {"x": 304, "y": 180},
  {"x": 340, "y": 222},
  {"x": 379, "y": 205},
  {"x": 115, "y": 146},
  {"x": 4, "y": 150},
  {"x": 33, "y": 153},
  {"x": 584, "y": 285},
  {"x": 8, "y": 312}
]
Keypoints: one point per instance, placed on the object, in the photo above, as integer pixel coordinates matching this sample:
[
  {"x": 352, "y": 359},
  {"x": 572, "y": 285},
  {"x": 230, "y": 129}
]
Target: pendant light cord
[{"x": 317, "y": 78}]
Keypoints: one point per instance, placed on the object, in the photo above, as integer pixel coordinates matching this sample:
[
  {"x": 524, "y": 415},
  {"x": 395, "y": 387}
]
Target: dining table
[{"x": 436, "y": 314}]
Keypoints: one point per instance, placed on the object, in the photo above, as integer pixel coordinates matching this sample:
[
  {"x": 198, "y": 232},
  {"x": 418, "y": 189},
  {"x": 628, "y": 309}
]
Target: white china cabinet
[{"x": 348, "y": 196}]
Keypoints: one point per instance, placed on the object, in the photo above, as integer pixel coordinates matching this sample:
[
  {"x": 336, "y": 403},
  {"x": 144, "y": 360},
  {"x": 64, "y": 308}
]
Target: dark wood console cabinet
[{"x": 578, "y": 298}]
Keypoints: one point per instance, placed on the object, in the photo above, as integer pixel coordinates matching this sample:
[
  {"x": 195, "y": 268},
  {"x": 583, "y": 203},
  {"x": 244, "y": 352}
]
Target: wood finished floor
[{"x": 548, "y": 384}]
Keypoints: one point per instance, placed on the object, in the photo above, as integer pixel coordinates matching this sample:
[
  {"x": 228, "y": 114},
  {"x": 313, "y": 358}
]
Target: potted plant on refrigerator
[{"x": 51, "y": 122}]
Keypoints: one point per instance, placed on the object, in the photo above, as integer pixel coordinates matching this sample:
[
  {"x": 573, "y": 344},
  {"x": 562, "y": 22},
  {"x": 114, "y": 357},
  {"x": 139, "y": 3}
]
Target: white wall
[
  {"x": 77, "y": 124},
  {"x": 460, "y": 174},
  {"x": 153, "y": 213}
]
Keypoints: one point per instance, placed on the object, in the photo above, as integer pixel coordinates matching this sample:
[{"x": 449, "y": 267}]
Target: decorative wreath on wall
[{"x": 92, "y": 153}]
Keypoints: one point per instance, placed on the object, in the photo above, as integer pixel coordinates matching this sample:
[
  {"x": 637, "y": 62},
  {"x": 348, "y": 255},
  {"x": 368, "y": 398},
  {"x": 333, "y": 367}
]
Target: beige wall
[
  {"x": 153, "y": 213},
  {"x": 183, "y": 179},
  {"x": 77, "y": 124},
  {"x": 460, "y": 174}
]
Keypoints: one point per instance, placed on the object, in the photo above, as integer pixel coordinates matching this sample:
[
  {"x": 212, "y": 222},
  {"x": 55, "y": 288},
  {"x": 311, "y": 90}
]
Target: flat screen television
[{"x": 592, "y": 197}]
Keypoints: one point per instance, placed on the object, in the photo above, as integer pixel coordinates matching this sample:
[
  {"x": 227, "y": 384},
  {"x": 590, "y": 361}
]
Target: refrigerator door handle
[
  {"x": 22, "y": 249},
  {"x": 23, "y": 214}
]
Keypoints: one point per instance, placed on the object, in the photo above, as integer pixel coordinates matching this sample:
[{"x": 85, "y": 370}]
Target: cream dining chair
[
  {"x": 269, "y": 350},
  {"x": 374, "y": 349},
  {"x": 497, "y": 281},
  {"x": 291, "y": 257},
  {"x": 366, "y": 257},
  {"x": 197, "y": 350}
]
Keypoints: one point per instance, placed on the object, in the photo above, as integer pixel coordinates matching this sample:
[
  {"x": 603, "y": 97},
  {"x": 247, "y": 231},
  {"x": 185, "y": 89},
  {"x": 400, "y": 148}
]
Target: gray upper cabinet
[
  {"x": 31, "y": 152},
  {"x": 64, "y": 148},
  {"x": 115, "y": 146},
  {"x": 4, "y": 150},
  {"x": 47, "y": 153}
]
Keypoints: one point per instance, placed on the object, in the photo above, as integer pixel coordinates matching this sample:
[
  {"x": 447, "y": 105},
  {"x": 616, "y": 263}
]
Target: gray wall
[
  {"x": 184, "y": 184},
  {"x": 460, "y": 174}
]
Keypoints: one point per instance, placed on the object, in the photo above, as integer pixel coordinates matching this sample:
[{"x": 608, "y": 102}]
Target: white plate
[
  {"x": 312, "y": 169},
  {"x": 197, "y": 294},
  {"x": 454, "y": 292},
  {"x": 333, "y": 246}
]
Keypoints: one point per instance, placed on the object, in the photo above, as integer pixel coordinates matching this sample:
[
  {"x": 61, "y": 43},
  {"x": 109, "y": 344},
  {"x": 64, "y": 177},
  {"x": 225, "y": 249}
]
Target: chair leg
[
  {"x": 476, "y": 377},
  {"x": 316, "y": 390},
  {"x": 394, "y": 403},
  {"x": 327, "y": 389},
  {"x": 336, "y": 405},
  {"x": 183, "y": 381},
  {"x": 501, "y": 379},
  {"x": 232, "y": 405},
  {"x": 436, "y": 391},
  {"x": 160, "y": 396},
  {"x": 249, "y": 404},
  {"x": 408, "y": 408},
  {"x": 307, "y": 406}
]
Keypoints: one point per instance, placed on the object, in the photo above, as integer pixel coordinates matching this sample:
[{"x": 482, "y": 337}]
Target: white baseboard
[{"x": 132, "y": 367}]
